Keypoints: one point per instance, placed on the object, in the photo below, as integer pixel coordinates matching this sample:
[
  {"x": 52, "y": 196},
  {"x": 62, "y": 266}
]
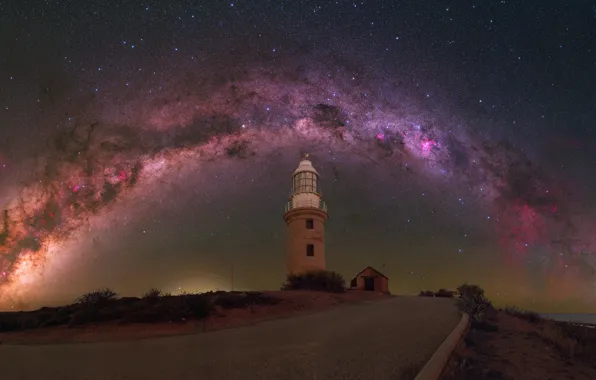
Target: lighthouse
[{"x": 305, "y": 216}]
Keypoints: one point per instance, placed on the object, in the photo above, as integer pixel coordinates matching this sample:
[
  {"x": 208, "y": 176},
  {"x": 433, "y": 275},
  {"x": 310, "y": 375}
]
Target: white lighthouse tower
[{"x": 305, "y": 216}]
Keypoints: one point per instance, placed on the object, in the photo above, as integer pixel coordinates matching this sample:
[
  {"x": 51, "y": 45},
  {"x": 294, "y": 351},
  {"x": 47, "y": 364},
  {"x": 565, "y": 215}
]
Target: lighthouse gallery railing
[{"x": 306, "y": 204}]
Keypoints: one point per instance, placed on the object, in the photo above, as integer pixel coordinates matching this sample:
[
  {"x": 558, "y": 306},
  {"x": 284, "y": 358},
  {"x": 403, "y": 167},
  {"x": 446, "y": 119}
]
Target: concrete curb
[{"x": 433, "y": 369}]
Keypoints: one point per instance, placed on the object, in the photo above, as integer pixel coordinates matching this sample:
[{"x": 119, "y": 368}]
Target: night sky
[{"x": 151, "y": 144}]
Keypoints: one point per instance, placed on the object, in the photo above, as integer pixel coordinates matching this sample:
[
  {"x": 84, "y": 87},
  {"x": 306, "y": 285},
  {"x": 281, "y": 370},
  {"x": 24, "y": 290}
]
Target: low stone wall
[{"x": 434, "y": 368}]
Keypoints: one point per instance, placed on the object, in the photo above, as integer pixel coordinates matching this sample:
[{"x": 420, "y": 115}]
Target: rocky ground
[{"x": 522, "y": 346}]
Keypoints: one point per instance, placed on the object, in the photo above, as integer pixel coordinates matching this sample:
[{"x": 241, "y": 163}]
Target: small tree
[
  {"x": 319, "y": 280},
  {"x": 473, "y": 302},
  {"x": 153, "y": 293},
  {"x": 96, "y": 297}
]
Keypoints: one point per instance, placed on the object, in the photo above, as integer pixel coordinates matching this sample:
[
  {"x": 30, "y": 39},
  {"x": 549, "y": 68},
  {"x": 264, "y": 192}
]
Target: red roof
[{"x": 369, "y": 267}]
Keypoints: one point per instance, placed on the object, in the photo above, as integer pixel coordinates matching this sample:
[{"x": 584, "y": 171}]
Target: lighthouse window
[
  {"x": 305, "y": 182},
  {"x": 310, "y": 224},
  {"x": 310, "y": 250}
]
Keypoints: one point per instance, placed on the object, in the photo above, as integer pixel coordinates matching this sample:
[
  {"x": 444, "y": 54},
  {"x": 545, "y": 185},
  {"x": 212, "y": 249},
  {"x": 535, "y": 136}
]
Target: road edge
[{"x": 433, "y": 369}]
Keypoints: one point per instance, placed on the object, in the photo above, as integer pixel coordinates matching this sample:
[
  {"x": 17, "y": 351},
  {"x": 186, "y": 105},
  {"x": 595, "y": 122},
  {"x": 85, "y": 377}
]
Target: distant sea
[{"x": 589, "y": 319}]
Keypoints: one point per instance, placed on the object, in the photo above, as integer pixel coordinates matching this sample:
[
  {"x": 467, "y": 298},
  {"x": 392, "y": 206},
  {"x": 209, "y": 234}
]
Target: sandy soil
[
  {"x": 518, "y": 349},
  {"x": 293, "y": 303}
]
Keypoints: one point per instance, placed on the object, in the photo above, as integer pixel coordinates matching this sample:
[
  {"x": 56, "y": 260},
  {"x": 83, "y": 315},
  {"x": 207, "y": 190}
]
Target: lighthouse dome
[{"x": 305, "y": 166}]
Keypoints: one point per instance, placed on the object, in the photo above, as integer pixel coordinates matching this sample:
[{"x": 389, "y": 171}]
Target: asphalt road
[{"x": 360, "y": 341}]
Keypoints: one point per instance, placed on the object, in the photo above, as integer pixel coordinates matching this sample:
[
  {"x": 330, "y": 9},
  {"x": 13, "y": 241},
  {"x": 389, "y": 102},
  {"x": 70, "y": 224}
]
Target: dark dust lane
[{"x": 363, "y": 341}]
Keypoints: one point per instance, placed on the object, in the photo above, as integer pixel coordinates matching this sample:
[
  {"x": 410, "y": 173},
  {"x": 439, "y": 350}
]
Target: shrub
[
  {"x": 144, "y": 316},
  {"x": 485, "y": 326},
  {"x": 35, "y": 319},
  {"x": 441, "y": 293},
  {"x": 239, "y": 300},
  {"x": 83, "y": 317},
  {"x": 473, "y": 302},
  {"x": 319, "y": 280},
  {"x": 444, "y": 293},
  {"x": 187, "y": 306},
  {"x": 195, "y": 306},
  {"x": 153, "y": 293},
  {"x": 56, "y": 319},
  {"x": 9, "y": 323},
  {"x": 97, "y": 297},
  {"x": 113, "y": 313},
  {"x": 128, "y": 302},
  {"x": 526, "y": 315},
  {"x": 96, "y": 315}
]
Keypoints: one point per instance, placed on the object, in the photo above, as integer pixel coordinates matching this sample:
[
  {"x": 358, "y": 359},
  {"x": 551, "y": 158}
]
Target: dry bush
[
  {"x": 152, "y": 293},
  {"x": 9, "y": 322},
  {"x": 426, "y": 293},
  {"x": 186, "y": 306},
  {"x": 444, "y": 293},
  {"x": 83, "y": 317},
  {"x": 526, "y": 315},
  {"x": 241, "y": 300},
  {"x": 24, "y": 320},
  {"x": 144, "y": 316},
  {"x": 57, "y": 317},
  {"x": 319, "y": 280},
  {"x": 100, "y": 296},
  {"x": 178, "y": 308}
]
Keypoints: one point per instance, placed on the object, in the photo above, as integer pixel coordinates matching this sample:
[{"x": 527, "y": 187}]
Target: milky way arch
[{"x": 122, "y": 144}]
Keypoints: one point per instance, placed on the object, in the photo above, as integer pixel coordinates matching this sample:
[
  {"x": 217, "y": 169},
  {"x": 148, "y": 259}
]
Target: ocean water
[{"x": 574, "y": 318}]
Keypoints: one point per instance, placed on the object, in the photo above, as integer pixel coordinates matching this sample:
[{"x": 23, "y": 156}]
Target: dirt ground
[
  {"x": 514, "y": 348},
  {"x": 292, "y": 303}
]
